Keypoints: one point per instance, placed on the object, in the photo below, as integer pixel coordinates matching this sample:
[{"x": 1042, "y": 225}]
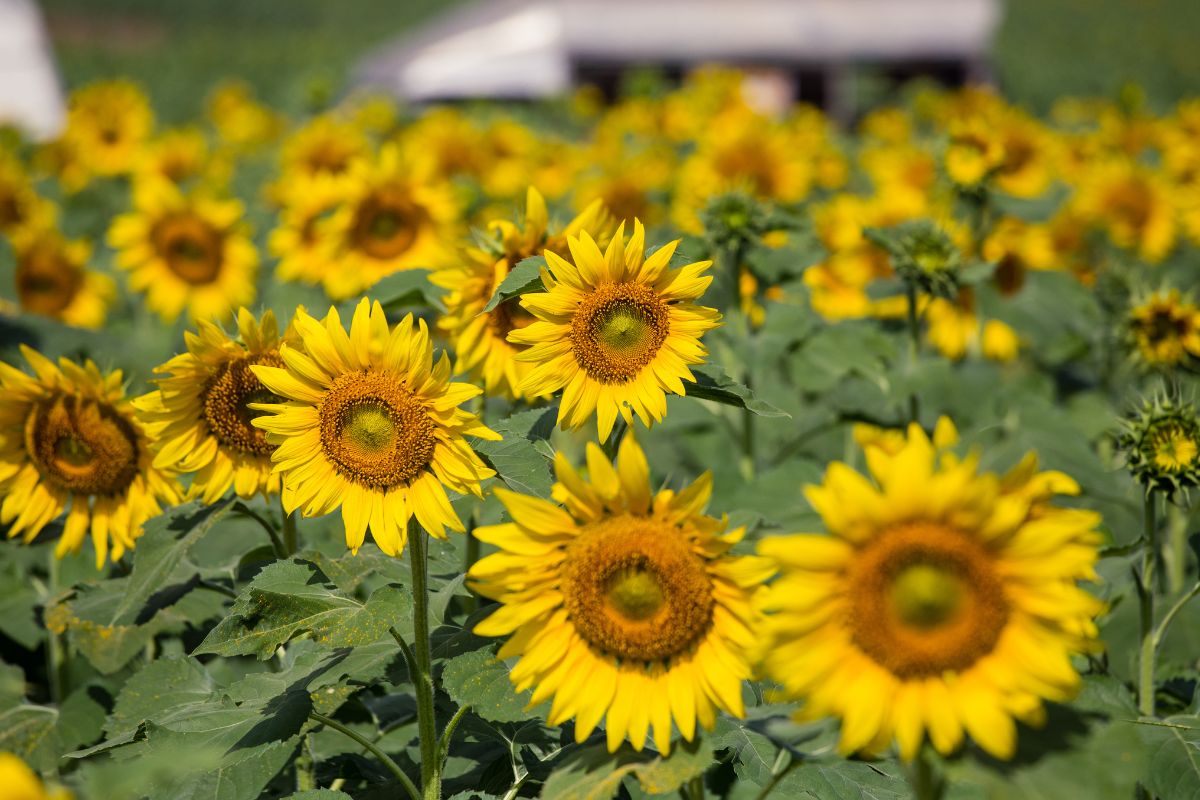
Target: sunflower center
[
  {"x": 190, "y": 246},
  {"x": 46, "y": 281},
  {"x": 634, "y": 589},
  {"x": 82, "y": 446},
  {"x": 617, "y": 330},
  {"x": 386, "y": 224},
  {"x": 375, "y": 431},
  {"x": 226, "y": 400},
  {"x": 1174, "y": 450},
  {"x": 925, "y": 599}
]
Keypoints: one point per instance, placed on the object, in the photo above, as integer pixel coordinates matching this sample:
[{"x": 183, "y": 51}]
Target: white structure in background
[
  {"x": 525, "y": 49},
  {"x": 30, "y": 96}
]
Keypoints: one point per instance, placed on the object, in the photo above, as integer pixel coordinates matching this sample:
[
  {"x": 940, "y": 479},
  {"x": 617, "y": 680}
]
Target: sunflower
[
  {"x": 185, "y": 251},
  {"x": 943, "y": 600},
  {"x": 1134, "y": 205},
  {"x": 69, "y": 437},
  {"x": 53, "y": 280},
  {"x": 626, "y": 604},
  {"x": 241, "y": 121},
  {"x": 393, "y": 219},
  {"x": 301, "y": 240},
  {"x": 1165, "y": 329},
  {"x": 180, "y": 155},
  {"x": 323, "y": 146},
  {"x": 20, "y": 204},
  {"x": 614, "y": 330},
  {"x": 371, "y": 425},
  {"x": 480, "y": 338},
  {"x": 201, "y": 413},
  {"x": 108, "y": 122},
  {"x": 20, "y": 782}
]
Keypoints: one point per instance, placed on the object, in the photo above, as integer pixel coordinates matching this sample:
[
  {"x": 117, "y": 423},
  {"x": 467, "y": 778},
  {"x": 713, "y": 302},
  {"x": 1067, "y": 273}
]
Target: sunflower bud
[
  {"x": 734, "y": 220},
  {"x": 1161, "y": 445},
  {"x": 923, "y": 255}
]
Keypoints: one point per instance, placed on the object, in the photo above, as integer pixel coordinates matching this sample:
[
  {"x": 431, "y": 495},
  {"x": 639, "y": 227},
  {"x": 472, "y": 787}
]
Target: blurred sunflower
[
  {"x": 479, "y": 338},
  {"x": 1165, "y": 329},
  {"x": 241, "y": 120},
  {"x": 1133, "y": 205},
  {"x": 180, "y": 155},
  {"x": 185, "y": 251},
  {"x": 22, "y": 783},
  {"x": 69, "y": 438},
  {"x": 20, "y": 205},
  {"x": 108, "y": 122},
  {"x": 625, "y": 605},
  {"x": 372, "y": 425},
  {"x": 53, "y": 280},
  {"x": 323, "y": 148},
  {"x": 943, "y": 600},
  {"x": 392, "y": 219},
  {"x": 201, "y": 413},
  {"x": 615, "y": 330},
  {"x": 301, "y": 240}
]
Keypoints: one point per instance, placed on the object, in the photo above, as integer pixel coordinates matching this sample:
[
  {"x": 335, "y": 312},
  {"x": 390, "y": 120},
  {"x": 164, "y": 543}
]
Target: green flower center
[
  {"x": 369, "y": 427},
  {"x": 635, "y": 593},
  {"x": 926, "y": 596}
]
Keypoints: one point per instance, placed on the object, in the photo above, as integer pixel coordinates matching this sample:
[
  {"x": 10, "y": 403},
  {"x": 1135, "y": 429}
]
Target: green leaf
[
  {"x": 524, "y": 277},
  {"x": 976, "y": 272},
  {"x": 408, "y": 288},
  {"x": 12, "y": 684},
  {"x": 30, "y": 732},
  {"x": 713, "y": 384},
  {"x": 1173, "y": 765},
  {"x": 293, "y": 597},
  {"x": 164, "y": 689},
  {"x": 844, "y": 780},
  {"x": 592, "y": 773},
  {"x": 478, "y": 679},
  {"x": 319, "y": 794},
  {"x": 754, "y": 753},
  {"x": 517, "y": 458},
  {"x": 687, "y": 760}
]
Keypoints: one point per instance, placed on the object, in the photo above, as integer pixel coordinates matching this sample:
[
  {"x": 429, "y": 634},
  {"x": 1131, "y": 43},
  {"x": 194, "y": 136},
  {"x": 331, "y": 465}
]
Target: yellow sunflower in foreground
[
  {"x": 185, "y": 251},
  {"x": 371, "y": 425},
  {"x": 626, "y": 605},
  {"x": 615, "y": 330},
  {"x": 22, "y": 783},
  {"x": 201, "y": 414},
  {"x": 943, "y": 600},
  {"x": 68, "y": 437},
  {"x": 53, "y": 280},
  {"x": 481, "y": 338},
  {"x": 394, "y": 218}
]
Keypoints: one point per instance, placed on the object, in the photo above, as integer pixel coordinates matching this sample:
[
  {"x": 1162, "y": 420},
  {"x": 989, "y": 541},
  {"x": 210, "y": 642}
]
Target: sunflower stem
[
  {"x": 914, "y": 348},
  {"x": 613, "y": 442},
  {"x": 431, "y": 771},
  {"x": 924, "y": 779},
  {"x": 290, "y": 543},
  {"x": 56, "y": 654},
  {"x": 749, "y": 463},
  {"x": 1145, "y": 590},
  {"x": 696, "y": 788},
  {"x": 1175, "y": 553},
  {"x": 370, "y": 747}
]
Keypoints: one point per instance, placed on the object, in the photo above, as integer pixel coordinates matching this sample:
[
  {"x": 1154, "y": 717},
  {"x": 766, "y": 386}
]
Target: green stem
[
  {"x": 1145, "y": 587},
  {"x": 431, "y": 772},
  {"x": 695, "y": 788},
  {"x": 290, "y": 542},
  {"x": 1160, "y": 632},
  {"x": 914, "y": 348},
  {"x": 749, "y": 462},
  {"x": 613, "y": 442},
  {"x": 448, "y": 734},
  {"x": 370, "y": 747},
  {"x": 276, "y": 542},
  {"x": 1175, "y": 554},
  {"x": 923, "y": 778},
  {"x": 778, "y": 777},
  {"x": 56, "y": 653},
  {"x": 305, "y": 779}
]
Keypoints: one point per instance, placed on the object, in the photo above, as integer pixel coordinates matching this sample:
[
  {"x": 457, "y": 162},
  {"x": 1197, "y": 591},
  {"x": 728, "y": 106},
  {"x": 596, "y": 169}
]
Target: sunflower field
[{"x": 660, "y": 448}]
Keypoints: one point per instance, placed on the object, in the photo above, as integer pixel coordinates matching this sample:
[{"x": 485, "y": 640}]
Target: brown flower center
[
  {"x": 226, "y": 400},
  {"x": 387, "y": 222},
  {"x": 82, "y": 445},
  {"x": 47, "y": 281},
  {"x": 375, "y": 431},
  {"x": 617, "y": 330},
  {"x": 925, "y": 599},
  {"x": 634, "y": 589},
  {"x": 190, "y": 246}
]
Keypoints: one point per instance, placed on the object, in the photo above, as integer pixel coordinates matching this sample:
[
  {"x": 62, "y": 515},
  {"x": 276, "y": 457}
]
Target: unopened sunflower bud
[
  {"x": 923, "y": 255},
  {"x": 1161, "y": 445}
]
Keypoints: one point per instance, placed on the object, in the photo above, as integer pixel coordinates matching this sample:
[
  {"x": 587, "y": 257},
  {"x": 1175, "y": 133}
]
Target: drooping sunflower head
[
  {"x": 69, "y": 442},
  {"x": 1165, "y": 329},
  {"x": 615, "y": 330},
  {"x": 369, "y": 423},
  {"x": 394, "y": 218},
  {"x": 53, "y": 280},
  {"x": 480, "y": 338},
  {"x": 203, "y": 410},
  {"x": 185, "y": 251},
  {"x": 942, "y": 600},
  {"x": 108, "y": 122},
  {"x": 1161, "y": 445},
  {"x": 623, "y": 604}
]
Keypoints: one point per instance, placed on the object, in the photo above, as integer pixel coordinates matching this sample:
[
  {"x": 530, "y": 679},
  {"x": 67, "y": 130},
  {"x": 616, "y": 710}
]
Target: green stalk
[
  {"x": 1145, "y": 587},
  {"x": 923, "y": 778},
  {"x": 914, "y": 347},
  {"x": 431, "y": 768},
  {"x": 1175, "y": 553},
  {"x": 370, "y": 747},
  {"x": 749, "y": 462},
  {"x": 56, "y": 654},
  {"x": 613, "y": 442},
  {"x": 290, "y": 543}
]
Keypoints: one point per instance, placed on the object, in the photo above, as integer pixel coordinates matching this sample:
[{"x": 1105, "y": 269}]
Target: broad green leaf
[
  {"x": 80, "y": 718},
  {"x": 319, "y": 794},
  {"x": 164, "y": 689},
  {"x": 844, "y": 780},
  {"x": 479, "y": 680},
  {"x": 293, "y": 597},
  {"x": 517, "y": 458},
  {"x": 31, "y": 732},
  {"x": 1173, "y": 763},
  {"x": 524, "y": 277},
  {"x": 12, "y": 685},
  {"x": 686, "y": 760},
  {"x": 408, "y": 288},
  {"x": 592, "y": 773},
  {"x": 754, "y": 753},
  {"x": 713, "y": 384}
]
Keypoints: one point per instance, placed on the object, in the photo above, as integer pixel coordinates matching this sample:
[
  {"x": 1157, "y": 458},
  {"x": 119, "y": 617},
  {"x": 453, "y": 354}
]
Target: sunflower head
[
  {"x": 70, "y": 442},
  {"x": 943, "y": 600},
  {"x": 1161, "y": 445},
  {"x": 923, "y": 255},
  {"x": 615, "y": 329},
  {"x": 623, "y": 603},
  {"x": 108, "y": 122},
  {"x": 370, "y": 423},
  {"x": 53, "y": 280},
  {"x": 734, "y": 219},
  {"x": 1164, "y": 329}
]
